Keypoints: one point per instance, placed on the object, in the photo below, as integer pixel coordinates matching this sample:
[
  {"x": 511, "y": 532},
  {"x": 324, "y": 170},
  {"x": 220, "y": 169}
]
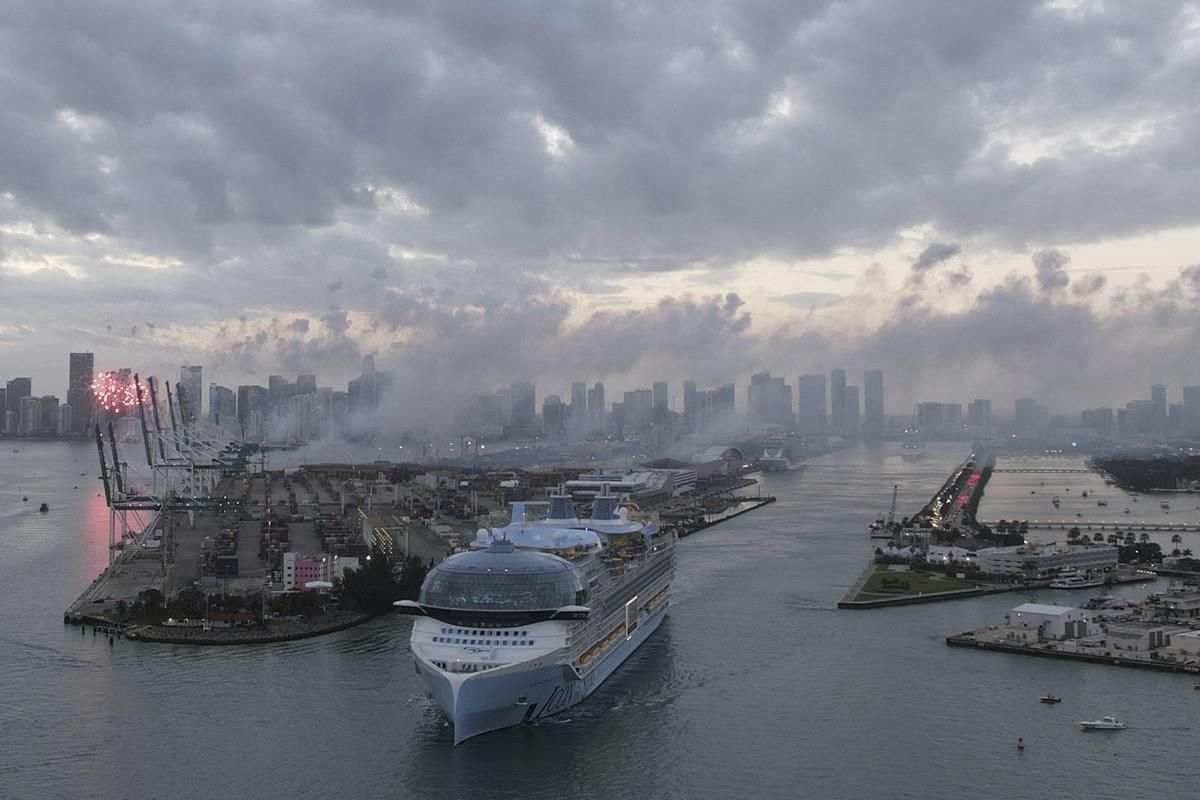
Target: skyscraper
[
  {"x": 769, "y": 401},
  {"x": 17, "y": 390},
  {"x": 837, "y": 399},
  {"x": 810, "y": 390},
  {"x": 552, "y": 416},
  {"x": 81, "y": 373},
  {"x": 872, "y": 427},
  {"x": 596, "y": 409},
  {"x": 578, "y": 412},
  {"x": 979, "y": 414},
  {"x": 690, "y": 406},
  {"x": 661, "y": 403},
  {"x": 524, "y": 408},
  {"x": 191, "y": 392},
  {"x": 851, "y": 412}
]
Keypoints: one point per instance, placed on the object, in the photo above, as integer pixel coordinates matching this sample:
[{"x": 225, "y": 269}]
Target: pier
[{"x": 1055, "y": 650}]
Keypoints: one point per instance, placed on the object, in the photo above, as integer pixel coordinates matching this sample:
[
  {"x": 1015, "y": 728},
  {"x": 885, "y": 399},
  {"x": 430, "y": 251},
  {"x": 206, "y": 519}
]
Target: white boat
[
  {"x": 1164, "y": 505},
  {"x": 1075, "y": 582},
  {"x": 536, "y": 615},
  {"x": 1102, "y": 724},
  {"x": 781, "y": 453},
  {"x": 1101, "y": 502}
]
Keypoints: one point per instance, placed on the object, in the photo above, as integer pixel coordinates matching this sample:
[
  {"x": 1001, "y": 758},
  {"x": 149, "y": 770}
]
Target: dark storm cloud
[
  {"x": 1089, "y": 285},
  {"x": 1049, "y": 269},
  {"x": 935, "y": 254}
]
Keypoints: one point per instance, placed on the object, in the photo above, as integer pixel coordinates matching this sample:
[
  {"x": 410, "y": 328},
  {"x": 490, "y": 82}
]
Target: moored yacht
[{"x": 538, "y": 613}]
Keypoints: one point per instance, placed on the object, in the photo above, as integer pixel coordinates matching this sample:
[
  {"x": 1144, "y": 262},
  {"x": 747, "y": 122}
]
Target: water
[{"x": 755, "y": 686}]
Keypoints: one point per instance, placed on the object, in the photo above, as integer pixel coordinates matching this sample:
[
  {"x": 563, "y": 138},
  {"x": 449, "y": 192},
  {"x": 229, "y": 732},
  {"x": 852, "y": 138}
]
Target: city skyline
[{"x": 303, "y": 410}]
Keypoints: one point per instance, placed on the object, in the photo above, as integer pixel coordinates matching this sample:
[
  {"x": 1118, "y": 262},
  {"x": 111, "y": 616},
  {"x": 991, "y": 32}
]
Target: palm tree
[
  {"x": 1097, "y": 537},
  {"x": 1144, "y": 538},
  {"x": 1175, "y": 540},
  {"x": 1130, "y": 538},
  {"x": 1113, "y": 539}
]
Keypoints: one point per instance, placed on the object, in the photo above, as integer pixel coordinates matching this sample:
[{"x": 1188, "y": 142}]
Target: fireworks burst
[{"x": 114, "y": 391}]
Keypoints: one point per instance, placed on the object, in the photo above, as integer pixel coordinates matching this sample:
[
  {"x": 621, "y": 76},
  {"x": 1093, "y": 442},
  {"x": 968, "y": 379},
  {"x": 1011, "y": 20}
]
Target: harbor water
[{"x": 754, "y": 686}]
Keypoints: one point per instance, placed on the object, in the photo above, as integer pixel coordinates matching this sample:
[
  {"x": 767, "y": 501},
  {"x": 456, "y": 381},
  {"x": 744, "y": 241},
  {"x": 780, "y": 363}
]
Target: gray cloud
[
  {"x": 475, "y": 168},
  {"x": 1089, "y": 285},
  {"x": 1049, "y": 268},
  {"x": 935, "y": 254}
]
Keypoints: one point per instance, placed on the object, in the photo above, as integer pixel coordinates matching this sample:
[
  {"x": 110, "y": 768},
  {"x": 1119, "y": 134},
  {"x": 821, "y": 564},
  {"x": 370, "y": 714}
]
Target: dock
[{"x": 1054, "y": 650}]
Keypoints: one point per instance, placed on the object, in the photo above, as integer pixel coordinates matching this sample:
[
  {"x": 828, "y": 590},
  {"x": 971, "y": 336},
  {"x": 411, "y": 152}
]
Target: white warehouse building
[
  {"x": 1051, "y": 622},
  {"x": 1038, "y": 562}
]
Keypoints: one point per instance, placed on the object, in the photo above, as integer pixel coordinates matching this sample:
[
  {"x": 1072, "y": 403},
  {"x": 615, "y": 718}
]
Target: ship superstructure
[
  {"x": 781, "y": 452},
  {"x": 537, "y": 614}
]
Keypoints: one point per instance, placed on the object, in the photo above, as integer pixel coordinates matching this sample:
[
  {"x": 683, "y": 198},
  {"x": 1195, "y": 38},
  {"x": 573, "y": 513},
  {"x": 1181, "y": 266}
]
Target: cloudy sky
[{"x": 993, "y": 199}]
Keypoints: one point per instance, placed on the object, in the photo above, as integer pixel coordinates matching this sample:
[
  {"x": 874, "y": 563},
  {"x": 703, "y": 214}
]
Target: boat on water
[
  {"x": 533, "y": 618},
  {"x": 1075, "y": 582},
  {"x": 912, "y": 445},
  {"x": 1056, "y": 501},
  {"x": 44, "y": 507},
  {"x": 781, "y": 453},
  {"x": 1101, "y": 502},
  {"x": 1164, "y": 505},
  {"x": 1126, "y": 509},
  {"x": 1049, "y": 698},
  {"x": 1102, "y": 724}
]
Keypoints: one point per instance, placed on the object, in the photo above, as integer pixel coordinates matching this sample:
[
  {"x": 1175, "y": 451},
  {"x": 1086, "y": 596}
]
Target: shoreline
[
  {"x": 239, "y": 636},
  {"x": 964, "y": 640}
]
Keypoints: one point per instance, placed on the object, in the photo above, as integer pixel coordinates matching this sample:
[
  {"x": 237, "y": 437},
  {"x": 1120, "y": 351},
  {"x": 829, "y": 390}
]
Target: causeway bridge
[
  {"x": 1044, "y": 470},
  {"x": 1102, "y": 525}
]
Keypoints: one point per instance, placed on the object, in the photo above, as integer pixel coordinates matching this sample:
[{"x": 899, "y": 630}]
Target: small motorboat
[
  {"x": 1126, "y": 509},
  {"x": 1101, "y": 502},
  {"x": 1049, "y": 698},
  {"x": 44, "y": 507},
  {"x": 1102, "y": 724}
]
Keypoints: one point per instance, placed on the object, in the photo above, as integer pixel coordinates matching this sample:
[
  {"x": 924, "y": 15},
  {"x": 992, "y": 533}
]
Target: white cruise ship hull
[{"x": 500, "y": 698}]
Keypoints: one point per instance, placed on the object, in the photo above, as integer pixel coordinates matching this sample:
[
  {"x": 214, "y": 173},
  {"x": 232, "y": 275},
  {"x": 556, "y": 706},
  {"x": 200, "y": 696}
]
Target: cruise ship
[
  {"x": 780, "y": 453},
  {"x": 536, "y": 615},
  {"x": 912, "y": 446}
]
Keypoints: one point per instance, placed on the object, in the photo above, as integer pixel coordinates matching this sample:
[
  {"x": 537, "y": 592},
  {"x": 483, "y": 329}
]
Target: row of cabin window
[
  {"x": 486, "y": 633},
  {"x": 450, "y": 640}
]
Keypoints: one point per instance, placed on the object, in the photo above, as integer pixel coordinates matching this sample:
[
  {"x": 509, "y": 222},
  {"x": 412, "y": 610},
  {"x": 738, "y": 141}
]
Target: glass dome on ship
[{"x": 503, "y": 579}]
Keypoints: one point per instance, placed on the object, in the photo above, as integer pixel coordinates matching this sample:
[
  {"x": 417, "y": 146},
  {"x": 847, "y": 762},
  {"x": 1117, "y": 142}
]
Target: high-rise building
[
  {"x": 979, "y": 414},
  {"x": 690, "y": 406},
  {"x": 553, "y": 416},
  {"x": 661, "y": 403},
  {"x": 768, "y": 401},
  {"x": 872, "y": 427},
  {"x": 4, "y": 410},
  {"x": 222, "y": 404},
  {"x": 190, "y": 392},
  {"x": 81, "y": 373},
  {"x": 306, "y": 384},
  {"x": 1191, "y": 410},
  {"x": 17, "y": 390},
  {"x": 524, "y": 406},
  {"x": 837, "y": 399},
  {"x": 638, "y": 410},
  {"x": 29, "y": 416},
  {"x": 251, "y": 400},
  {"x": 578, "y": 411},
  {"x": 940, "y": 419},
  {"x": 1158, "y": 396},
  {"x": 596, "y": 410},
  {"x": 722, "y": 406},
  {"x": 811, "y": 413},
  {"x": 47, "y": 421},
  {"x": 851, "y": 413}
]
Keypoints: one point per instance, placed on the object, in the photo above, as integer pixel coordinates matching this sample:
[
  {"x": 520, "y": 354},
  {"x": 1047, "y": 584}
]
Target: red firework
[{"x": 115, "y": 391}]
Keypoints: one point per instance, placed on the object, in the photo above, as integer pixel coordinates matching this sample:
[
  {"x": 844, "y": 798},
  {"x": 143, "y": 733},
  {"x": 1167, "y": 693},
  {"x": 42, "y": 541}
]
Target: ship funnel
[
  {"x": 561, "y": 506},
  {"x": 604, "y": 505}
]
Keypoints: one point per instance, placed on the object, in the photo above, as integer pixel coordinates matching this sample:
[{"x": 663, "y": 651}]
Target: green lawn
[{"x": 891, "y": 583}]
